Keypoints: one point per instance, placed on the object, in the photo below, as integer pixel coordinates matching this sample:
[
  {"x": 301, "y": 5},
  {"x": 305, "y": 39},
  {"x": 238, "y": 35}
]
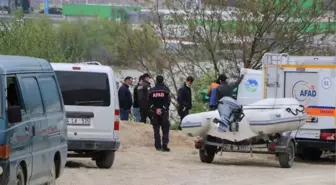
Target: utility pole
[{"x": 46, "y": 7}]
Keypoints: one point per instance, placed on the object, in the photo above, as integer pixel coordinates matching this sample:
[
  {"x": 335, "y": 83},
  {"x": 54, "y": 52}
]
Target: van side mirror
[{"x": 14, "y": 114}]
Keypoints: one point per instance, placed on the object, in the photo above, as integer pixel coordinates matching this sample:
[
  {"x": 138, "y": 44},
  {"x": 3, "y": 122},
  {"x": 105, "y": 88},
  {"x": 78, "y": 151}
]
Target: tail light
[
  {"x": 116, "y": 119},
  {"x": 198, "y": 143},
  {"x": 4, "y": 152},
  {"x": 272, "y": 147},
  {"x": 76, "y": 68},
  {"x": 327, "y": 136}
]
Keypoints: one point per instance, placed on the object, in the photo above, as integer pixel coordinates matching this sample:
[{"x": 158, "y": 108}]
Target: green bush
[
  {"x": 97, "y": 39},
  {"x": 198, "y": 86}
]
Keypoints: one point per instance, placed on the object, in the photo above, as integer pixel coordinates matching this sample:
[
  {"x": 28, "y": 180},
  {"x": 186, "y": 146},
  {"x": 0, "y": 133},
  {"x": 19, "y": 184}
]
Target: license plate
[
  {"x": 78, "y": 121},
  {"x": 243, "y": 148}
]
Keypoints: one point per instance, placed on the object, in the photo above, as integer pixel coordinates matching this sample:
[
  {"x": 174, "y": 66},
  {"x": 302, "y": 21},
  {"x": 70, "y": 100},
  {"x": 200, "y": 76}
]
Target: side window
[
  {"x": 14, "y": 97},
  {"x": 33, "y": 95},
  {"x": 50, "y": 94}
]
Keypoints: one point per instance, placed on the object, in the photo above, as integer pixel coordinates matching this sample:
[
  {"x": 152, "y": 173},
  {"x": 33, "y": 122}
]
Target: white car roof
[{"x": 83, "y": 67}]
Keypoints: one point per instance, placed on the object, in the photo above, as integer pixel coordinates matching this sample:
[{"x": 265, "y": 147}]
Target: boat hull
[{"x": 258, "y": 121}]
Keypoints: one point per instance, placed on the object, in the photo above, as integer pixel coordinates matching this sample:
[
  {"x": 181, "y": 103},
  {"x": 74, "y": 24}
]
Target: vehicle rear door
[
  {"x": 88, "y": 103},
  {"x": 303, "y": 86}
]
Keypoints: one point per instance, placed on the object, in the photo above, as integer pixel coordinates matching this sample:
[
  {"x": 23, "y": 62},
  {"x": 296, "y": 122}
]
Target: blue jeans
[
  {"x": 136, "y": 114},
  {"x": 124, "y": 114}
]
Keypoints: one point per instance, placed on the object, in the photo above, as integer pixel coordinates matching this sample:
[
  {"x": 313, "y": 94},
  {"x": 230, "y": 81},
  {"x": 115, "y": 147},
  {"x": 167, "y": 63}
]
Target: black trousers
[
  {"x": 182, "y": 113},
  {"x": 212, "y": 107},
  {"x": 144, "y": 114},
  {"x": 161, "y": 122}
]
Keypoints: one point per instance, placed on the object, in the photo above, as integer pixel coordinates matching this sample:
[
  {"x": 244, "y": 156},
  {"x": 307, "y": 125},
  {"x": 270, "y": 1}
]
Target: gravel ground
[
  {"x": 146, "y": 166},
  {"x": 138, "y": 163}
]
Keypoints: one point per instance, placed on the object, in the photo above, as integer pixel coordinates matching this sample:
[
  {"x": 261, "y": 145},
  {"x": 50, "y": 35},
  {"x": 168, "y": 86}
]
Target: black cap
[
  {"x": 128, "y": 78},
  {"x": 222, "y": 77},
  {"x": 146, "y": 75},
  {"x": 159, "y": 79}
]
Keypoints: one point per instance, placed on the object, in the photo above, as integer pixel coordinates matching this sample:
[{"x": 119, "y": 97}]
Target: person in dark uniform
[
  {"x": 142, "y": 97},
  {"x": 184, "y": 99},
  {"x": 136, "y": 106},
  {"x": 159, "y": 101}
]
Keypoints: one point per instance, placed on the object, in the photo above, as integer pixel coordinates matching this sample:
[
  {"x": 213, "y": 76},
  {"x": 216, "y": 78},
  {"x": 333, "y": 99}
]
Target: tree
[
  {"x": 140, "y": 46},
  {"x": 245, "y": 32},
  {"x": 30, "y": 38},
  {"x": 215, "y": 37},
  {"x": 96, "y": 39}
]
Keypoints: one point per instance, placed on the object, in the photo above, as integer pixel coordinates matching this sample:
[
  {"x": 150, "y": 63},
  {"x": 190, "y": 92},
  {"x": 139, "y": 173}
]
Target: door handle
[
  {"x": 26, "y": 128},
  {"x": 33, "y": 130}
]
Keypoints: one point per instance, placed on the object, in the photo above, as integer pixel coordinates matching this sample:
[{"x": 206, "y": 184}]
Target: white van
[
  {"x": 311, "y": 80},
  {"x": 92, "y": 110},
  {"x": 251, "y": 88}
]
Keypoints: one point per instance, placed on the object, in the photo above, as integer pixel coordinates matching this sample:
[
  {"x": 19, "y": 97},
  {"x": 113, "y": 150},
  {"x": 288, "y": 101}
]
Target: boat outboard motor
[{"x": 231, "y": 112}]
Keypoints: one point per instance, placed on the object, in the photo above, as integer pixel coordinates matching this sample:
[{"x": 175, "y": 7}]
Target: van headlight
[{"x": 1, "y": 170}]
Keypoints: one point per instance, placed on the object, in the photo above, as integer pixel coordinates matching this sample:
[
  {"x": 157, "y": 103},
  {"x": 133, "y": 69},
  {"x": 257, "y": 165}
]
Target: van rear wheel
[
  {"x": 20, "y": 179},
  {"x": 105, "y": 159}
]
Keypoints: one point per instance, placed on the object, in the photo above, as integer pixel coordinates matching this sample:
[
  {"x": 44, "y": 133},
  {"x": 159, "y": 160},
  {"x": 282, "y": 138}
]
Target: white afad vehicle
[
  {"x": 92, "y": 110},
  {"x": 312, "y": 81}
]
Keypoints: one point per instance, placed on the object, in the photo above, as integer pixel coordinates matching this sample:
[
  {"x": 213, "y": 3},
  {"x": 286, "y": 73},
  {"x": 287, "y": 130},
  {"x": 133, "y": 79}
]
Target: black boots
[{"x": 165, "y": 149}]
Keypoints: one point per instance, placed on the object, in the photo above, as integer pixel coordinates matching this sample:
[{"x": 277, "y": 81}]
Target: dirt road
[
  {"x": 145, "y": 166},
  {"x": 137, "y": 163}
]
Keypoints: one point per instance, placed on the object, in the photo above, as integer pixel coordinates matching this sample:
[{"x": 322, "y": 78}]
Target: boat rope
[{"x": 297, "y": 111}]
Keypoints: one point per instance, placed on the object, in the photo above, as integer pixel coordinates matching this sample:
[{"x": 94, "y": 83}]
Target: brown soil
[{"x": 141, "y": 135}]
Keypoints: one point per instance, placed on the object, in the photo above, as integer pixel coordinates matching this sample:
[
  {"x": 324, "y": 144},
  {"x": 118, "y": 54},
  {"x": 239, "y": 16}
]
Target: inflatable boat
[{"x": 262, "y": 118}]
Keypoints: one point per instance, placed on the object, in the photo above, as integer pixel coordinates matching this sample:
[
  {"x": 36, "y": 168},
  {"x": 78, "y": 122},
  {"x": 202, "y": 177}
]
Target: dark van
[{"x": 33, "y": 132}]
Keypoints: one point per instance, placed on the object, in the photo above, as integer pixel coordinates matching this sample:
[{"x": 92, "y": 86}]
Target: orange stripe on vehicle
[
  {"x": 308, "y": 66},
  {"x": 321, "y": 111}
]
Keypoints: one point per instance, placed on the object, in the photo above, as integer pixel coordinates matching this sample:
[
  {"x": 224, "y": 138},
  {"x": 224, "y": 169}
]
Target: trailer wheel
[
  {"x": 286, "y": 159},
  {"x": 207, "y": 155}
]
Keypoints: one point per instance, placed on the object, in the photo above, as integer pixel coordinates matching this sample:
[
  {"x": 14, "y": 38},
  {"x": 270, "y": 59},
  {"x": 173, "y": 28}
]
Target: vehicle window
[
  {"x": 32, "y": 92},
  {"x": 84, "y": 88},
  {"x": 14, "y": 97},
  {"x": 50, "y": 94}
]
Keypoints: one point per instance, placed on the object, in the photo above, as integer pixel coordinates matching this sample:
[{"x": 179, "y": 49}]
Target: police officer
[{"x": 159, "y": 102}]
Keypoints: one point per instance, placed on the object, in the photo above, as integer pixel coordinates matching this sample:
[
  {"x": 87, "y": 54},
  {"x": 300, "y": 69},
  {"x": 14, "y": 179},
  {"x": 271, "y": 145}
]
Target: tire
[
  {"x": 20, "y": 179},
  {"x": 208, "y": 154},
  {"x": 311, "y": 154},
  {"x": 105, "y": 159},
  {"x": 286, "y": 160},
  {"x": 52, "y": 175}
]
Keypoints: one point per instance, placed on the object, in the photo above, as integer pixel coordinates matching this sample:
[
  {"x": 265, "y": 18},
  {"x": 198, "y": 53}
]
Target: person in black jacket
[
  {"x": 159, "y": 101},
  {"x": 125, "y": 98},
  {"x": 226, "y": 89},
  {"x": 184, "y": 99},
  {"x": 136, "y": 107},
  {"x": 142, "y": 95}
]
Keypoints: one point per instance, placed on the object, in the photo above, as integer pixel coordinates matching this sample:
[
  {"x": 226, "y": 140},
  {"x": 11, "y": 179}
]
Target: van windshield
[{"x": 84, "y": 88}]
